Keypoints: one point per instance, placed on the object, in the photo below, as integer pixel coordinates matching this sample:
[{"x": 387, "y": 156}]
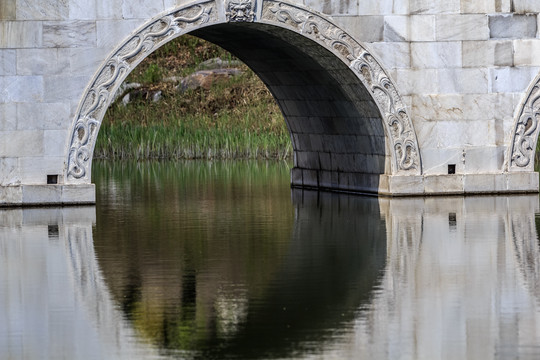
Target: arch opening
[
  {"x": 336, "y": 128},
  {"x": 347, "y": 122}
]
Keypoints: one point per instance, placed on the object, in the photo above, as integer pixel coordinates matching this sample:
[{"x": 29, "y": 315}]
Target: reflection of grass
[
  {"x": 166, "y": 228},
  {"x": 237, "y": 118}
]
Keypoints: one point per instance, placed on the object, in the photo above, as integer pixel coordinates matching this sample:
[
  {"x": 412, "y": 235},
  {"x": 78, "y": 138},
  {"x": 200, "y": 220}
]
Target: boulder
[{"x": 206, "y": 78}]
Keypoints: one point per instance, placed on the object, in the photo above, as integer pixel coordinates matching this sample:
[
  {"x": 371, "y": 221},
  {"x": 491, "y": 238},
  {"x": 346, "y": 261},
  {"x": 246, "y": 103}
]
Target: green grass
[{"x": 237, "y": 118}]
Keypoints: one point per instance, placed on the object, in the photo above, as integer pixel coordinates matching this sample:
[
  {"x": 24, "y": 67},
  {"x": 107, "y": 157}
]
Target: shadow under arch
[{"x": 347, "y": 121}]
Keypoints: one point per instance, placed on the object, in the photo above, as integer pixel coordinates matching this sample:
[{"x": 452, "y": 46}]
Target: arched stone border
[
  {"x": 522, "y": 145},
  {"x": 400, "y": 134}
]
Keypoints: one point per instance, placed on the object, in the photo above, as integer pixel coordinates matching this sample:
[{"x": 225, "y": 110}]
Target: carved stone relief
[
  {"x": 525, "y": 134},
  {"x": 240, "y": 11}
]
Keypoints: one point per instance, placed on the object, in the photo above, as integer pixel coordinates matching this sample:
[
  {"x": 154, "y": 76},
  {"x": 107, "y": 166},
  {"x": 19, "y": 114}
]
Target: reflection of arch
[
  {"x": 522, "y": 146},
  {"x": 345, "y": 81}
]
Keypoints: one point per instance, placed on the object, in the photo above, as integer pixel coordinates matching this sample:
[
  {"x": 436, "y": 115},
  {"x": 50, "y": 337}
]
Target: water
[{"x": 223, "y": 260}]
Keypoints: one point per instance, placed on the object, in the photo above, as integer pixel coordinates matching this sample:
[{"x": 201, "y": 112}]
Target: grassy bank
[{"x": 235, "y": 118}]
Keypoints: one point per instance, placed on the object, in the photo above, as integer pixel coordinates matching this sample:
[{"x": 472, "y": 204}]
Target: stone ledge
[
  {"x": 33, "y": 195},
  {"x": 460, "y": 184},
  {"x": 427, "y": 185}
]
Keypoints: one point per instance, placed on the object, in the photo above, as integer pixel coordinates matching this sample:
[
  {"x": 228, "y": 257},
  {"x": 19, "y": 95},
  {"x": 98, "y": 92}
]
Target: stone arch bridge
[{"x": 393, "y": 97}]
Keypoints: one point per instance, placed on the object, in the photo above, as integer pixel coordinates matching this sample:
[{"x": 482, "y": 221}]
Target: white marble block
[
  {"x": 434, "y": 6},
  {"x": 512, "y": 26},
  {"x": 69, "y": 34},
  {"x": 42, "y": 9},
  {"x": 488, "y": 53},
  {"x": 21, "y": 34},
  {"x": 436, "y": 54},
  {"x": 462, "y": 27}
]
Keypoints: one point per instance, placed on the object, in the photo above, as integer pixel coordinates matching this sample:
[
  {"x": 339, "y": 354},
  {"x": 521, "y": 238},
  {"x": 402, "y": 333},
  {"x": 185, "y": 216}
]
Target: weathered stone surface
[
  {"x": 82, "y": 10},
  {"x": 436, "y": 55},
  {"x": 21, "y": 89},
  {"x": 463, "y": 81},
  {"x": 438, "y": 160},
  {"x": 140, "y": 9},
  {"x": 484, "y": 159},
  {"x": 462, "y": 27},
  {"x": 21, "y": 143},
  {"x": 110, "y": 33},
  {"x": 34, "y": 169},
  {"x": 363, "y": 28},
  {"x": 8, "y": 10},
  {"x": 512, "y": 26},
  {"x": 459, "y": 107},
  {"x": 43, "y": 116},
  {"x": 393, "y": 55},
  {"x": 449, "y": 184},
  {"x": 44, "y": 194},
  {"x": 53, "y": 142},
  {"x": 69, "y": 34},
  {"x": 526, "y": 6},
  {"x": 42, "y": 61},
  {"x": 11, "y": 195},
  {"x": 63, "y": 87},
  {"x": 8, "y": 62},
  {"x": 424, "y": 81},
  {"x": 78, "y": 194},
  {"x": 410, "y": 28},
  {"x": 8, "y": 116},
  {"x": 9, "y": 171},
  {"x": 332, "y": 7},
  {"x": 511, "y": 79},
  {"x": 434, "y": 6},
  {"x": 21, "y": 34},
  {"x": 492, "y": 183},
  {"x": 42, "y": 9},
  {"x": 396, "y": 28},
  {"x": 85, "y": 61},
  {"x": 527, "y": 52},
  {"x": 488, "y": 53},
  {"x": 383, "y": 7},
  {"x": 479, "y": 6}
]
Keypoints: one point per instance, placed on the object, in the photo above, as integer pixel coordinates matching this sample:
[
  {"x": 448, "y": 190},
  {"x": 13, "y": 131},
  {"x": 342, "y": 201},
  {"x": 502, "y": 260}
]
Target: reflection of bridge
[
  {"x": 402, "y": 99},
  {"x": 461, "y": 281},
  {"x": 53, "y": 301}
]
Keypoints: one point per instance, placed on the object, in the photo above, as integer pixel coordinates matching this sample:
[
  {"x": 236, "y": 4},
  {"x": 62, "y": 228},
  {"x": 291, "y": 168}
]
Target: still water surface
[{"x": 222, "y": 260}]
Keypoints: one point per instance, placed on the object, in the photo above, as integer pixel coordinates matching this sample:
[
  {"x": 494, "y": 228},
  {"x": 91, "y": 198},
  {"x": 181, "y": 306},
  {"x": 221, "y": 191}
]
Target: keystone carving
[{"x": 240, "y": 11}]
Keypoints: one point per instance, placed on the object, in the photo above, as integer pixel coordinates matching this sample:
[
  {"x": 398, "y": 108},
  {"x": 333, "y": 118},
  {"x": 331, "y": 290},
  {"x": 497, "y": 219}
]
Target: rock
[
  {"x": 206, "y": 78},
  {"x": 217, "y": 63},
  {"x": 144, "y": 94},
  {"x": 124, "y": 88},
  {"x": 172, "y": 79}
]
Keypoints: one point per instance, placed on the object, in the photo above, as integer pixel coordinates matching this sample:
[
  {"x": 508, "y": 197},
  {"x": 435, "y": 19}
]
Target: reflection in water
[
  {"x": 53, "y": 302},
  {"x": 227, "y": 264}
]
